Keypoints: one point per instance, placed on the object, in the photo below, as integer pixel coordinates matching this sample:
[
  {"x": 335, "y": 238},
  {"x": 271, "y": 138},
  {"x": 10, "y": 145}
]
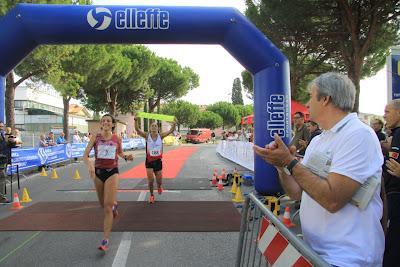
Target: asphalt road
[{"x": 45, "y": 248}]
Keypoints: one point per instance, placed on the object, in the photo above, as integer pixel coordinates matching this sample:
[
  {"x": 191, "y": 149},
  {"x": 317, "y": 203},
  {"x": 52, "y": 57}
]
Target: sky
[{"x": 217, "y": 68}]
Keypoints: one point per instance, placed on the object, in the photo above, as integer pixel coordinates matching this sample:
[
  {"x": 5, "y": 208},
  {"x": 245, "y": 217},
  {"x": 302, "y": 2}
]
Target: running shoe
[
  {"x": 115, "y": 210},
  {"x": 160, "y": 190},
  {"x": 104, "y": 245},
  {"x": 152, "y": 199}
]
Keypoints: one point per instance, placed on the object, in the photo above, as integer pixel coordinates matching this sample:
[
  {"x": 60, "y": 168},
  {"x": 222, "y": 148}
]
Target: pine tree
[{"x": 237, "y": 98}]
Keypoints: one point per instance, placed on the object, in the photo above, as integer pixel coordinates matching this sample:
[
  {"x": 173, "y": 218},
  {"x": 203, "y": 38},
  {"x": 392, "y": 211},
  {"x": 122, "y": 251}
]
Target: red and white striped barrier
[{"x": 276, "y": 248}]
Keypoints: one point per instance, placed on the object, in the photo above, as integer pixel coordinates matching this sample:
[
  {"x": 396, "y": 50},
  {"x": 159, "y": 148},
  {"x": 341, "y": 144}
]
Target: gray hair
[
  {"x": 339, "y": 87},
  {"x": 395, "y": 103}
]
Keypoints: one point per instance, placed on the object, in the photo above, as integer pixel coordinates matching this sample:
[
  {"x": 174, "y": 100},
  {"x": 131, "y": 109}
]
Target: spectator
[
  {"x": 4, "y": 153},
  {"x": 337, "y": 163},
  {"x": 392, "y": 184},
  {"x": 50, "y": 139},
  {"x": 76, "y": 138},
  {"x": 213, "y": 137},
  {"x": 300, "y": 133},
  {"x": 42, "y": 143},
  {"x": 314, "y": 130},
  {"x": 377, "y": 125},
  {"x": 85, "y": 138},
  {"x": 61, "y": 139},
  {"x": 18, "y": 141}
]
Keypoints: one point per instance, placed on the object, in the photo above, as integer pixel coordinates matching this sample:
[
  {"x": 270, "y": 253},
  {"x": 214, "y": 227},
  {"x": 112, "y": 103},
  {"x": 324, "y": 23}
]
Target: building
[{"x": 39, "y": 108}]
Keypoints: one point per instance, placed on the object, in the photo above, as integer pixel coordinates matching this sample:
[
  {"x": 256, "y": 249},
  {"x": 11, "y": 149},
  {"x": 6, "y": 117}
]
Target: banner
[
  {"x": 33, "y": 157},
  {"x": 395, "y": 76},
  {"x": 154, "y": 116}
]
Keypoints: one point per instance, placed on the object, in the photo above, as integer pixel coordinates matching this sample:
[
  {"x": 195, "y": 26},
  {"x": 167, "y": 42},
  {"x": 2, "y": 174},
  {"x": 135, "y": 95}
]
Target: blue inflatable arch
[{"x": 29, "y": 25}]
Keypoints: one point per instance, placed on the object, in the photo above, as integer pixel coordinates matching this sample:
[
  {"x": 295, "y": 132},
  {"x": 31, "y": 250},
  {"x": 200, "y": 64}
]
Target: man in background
[
  {"x": 377, "y": 125},
  {"x": 300, "y": 133}
]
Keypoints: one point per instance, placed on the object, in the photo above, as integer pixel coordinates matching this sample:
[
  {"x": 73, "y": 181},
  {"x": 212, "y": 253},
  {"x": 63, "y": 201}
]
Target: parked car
[{"x": 200, "y": 135}]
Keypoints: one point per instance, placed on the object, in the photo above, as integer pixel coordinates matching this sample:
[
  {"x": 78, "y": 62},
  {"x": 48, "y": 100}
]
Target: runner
[
  {"x": 104, "y": 171},
  {"x": 154, "y": 150}
]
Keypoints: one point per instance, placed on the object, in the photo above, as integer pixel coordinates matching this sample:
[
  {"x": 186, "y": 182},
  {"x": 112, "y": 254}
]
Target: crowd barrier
[
  {"x": 265, "y": 241},
  {"x": 240, "y": 152},
  {"x": 32, "y": 157}
]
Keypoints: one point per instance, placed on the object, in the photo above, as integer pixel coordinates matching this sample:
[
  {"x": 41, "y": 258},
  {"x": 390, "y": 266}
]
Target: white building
[{"x": 39, "y": 108}]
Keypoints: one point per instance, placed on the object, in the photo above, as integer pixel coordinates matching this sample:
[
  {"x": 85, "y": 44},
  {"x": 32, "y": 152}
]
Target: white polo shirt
[{"x": 351, "y": 236}]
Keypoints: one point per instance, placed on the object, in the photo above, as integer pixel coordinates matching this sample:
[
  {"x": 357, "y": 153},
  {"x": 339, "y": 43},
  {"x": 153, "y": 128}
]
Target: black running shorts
[
  {"x": 104, "y": 174},
  {"x": 156, "y": 165}
]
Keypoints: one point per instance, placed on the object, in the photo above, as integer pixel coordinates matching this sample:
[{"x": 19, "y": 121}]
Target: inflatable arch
[{"x": 29, "y": 25}]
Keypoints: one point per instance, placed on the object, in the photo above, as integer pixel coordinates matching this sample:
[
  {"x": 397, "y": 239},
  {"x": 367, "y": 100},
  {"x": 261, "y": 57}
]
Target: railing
[
  {"x": 265, "y": 241},
  {"x": 240, "y": 152}
]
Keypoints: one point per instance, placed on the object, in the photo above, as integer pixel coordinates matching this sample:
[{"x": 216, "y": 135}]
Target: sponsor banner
[
  {"x": 25, "y": 158},
  {"x": 395, "y": 71},
  {"x": 78, "y": 149},
  {"x": 28, "y": 158}
]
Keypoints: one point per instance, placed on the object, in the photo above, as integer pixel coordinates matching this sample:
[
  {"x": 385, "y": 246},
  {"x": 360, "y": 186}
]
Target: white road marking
[{"x": 123, "y": 250}]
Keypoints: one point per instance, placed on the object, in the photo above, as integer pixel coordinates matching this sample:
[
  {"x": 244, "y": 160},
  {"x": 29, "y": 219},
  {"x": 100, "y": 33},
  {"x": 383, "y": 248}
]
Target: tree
[
  {"x": 186, "y": 113},
  {"x": 237, "y": 97},
  {"x": 318, "y": 36},
  {"x": 170, "y": 82},
  {"x": 362, "y": 32},
  {"x": 291, "y": 26},
  {"x": 244, "y": 110},
  {"x": 106, "y": 69},
  {"x": 68, "y": 82},
  {"x": 136, "y": 88},
  {"x": 208, "y": 119},
  {"x": 39, "y": 64},
  {"x": 247, "y": 82},
  {"x": 227, "y": 111}
]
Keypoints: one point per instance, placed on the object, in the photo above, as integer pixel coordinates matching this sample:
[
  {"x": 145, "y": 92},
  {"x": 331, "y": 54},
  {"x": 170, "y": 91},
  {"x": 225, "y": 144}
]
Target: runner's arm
[
  {"x": 138, "y": 130},
  {"x": 121, "y": 152},
  {"x": 86, "y": 158},
  {"x": 165, "y": 134}
]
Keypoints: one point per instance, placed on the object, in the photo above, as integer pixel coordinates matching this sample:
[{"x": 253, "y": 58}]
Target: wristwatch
[{"x": 288, "y": 168}]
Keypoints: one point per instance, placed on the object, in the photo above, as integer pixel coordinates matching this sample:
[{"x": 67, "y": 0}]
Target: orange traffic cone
[
  {"x": 214, "y": 177},
  {"x": 286, "y": 218},
  {"x": 16, "y": 205},
  {"x": 220, "y": 185},
  {"x": 222, "y": 176}
]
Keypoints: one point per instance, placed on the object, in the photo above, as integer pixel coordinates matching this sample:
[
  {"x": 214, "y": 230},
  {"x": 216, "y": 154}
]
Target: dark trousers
[{"x": 392, "y": 246}]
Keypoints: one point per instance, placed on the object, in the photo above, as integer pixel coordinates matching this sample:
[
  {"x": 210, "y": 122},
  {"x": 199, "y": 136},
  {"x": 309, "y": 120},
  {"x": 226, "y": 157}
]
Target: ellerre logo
[{"x": 100, "y": 24}]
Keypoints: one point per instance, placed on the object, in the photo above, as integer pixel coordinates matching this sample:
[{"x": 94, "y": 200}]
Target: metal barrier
[{"x": 265, "y": 241}]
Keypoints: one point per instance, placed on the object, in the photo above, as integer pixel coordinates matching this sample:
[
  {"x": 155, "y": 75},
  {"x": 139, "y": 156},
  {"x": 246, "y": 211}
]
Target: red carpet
[{"x": 172, "y": 163}]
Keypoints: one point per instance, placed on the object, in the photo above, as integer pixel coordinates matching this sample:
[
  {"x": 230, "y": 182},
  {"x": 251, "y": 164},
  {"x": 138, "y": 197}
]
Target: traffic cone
[
  {"x": 214, "y": 177},
  {"x": 234, "y": 186},
  {"x": 25, "y": 196},
  {"x": 223, "y": 174},
  {"x": 16, "y": 205},
  {"x": 286, "y": 218},
  {"x": 220, "y": 185},
  {"x": 54, "y": 174},
  {"x": 43, "y": 172},
  {"x": 238, "y": 196},
  {"x": 77, "y": 176}
]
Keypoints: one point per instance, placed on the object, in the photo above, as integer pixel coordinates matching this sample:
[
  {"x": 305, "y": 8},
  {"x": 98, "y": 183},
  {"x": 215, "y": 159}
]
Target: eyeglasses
[{"x": 297, "y": 117}]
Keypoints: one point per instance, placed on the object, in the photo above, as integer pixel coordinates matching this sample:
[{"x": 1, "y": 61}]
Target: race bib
[
  {"x": 106, "y": 152},
  {"x": 155, "y": 153}
]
